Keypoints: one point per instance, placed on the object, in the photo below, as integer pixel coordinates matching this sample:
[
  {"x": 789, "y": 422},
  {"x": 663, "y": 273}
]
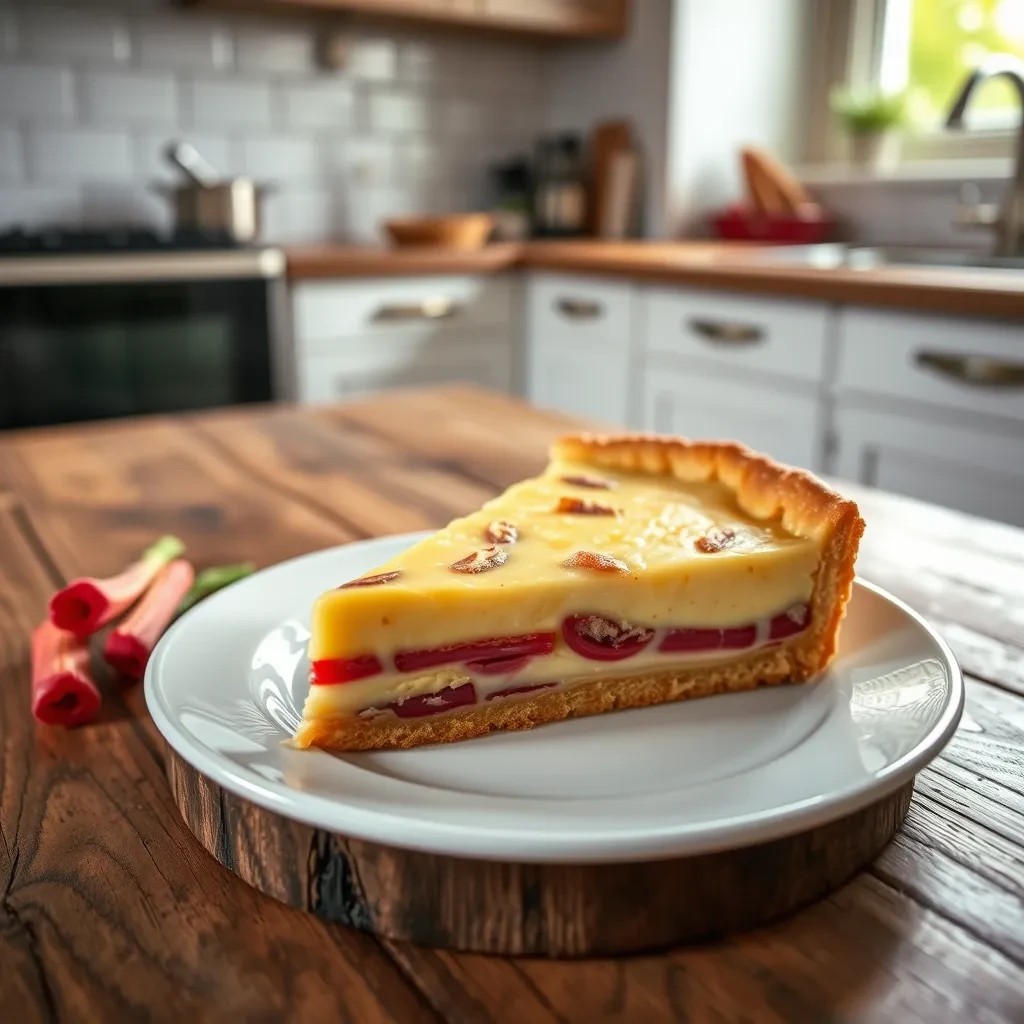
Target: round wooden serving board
[{"x": 539, "y": 909}]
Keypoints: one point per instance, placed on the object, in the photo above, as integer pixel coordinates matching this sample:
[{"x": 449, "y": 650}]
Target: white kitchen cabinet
[
  {"x": 963, "y": 467},
  {"x": 359, "y": 335},
  {"x": 783, "y": 422},
  {"x": 580, "y": 334},
  {"x": 933, "y": 407}
]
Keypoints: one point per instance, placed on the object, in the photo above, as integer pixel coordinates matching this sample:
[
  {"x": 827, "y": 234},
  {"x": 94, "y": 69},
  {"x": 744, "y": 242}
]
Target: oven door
[{"x": 76, "y": 349}]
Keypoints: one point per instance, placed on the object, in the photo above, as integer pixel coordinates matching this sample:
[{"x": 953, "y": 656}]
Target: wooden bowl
[{"x": 453, "y": 231}]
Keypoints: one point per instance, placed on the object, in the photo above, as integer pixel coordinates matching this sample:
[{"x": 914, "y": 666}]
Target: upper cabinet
[{"x": 559, "y": 19}]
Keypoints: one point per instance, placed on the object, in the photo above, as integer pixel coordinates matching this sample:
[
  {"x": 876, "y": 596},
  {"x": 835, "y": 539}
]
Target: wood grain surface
[
  {"x": 111, "y": 910},
  {"x": 729, "y": 266}
]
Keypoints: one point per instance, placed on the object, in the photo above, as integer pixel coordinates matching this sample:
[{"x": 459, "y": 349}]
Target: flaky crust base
[{"x": 764, "y": 489}]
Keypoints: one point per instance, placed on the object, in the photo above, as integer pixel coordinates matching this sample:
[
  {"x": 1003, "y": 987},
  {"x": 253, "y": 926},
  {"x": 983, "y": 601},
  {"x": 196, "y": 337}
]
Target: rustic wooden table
[{"x": 112, "y": 911}]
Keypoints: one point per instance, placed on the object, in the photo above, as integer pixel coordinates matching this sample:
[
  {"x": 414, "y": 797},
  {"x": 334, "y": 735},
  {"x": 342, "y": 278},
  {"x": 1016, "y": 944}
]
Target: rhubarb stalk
[
  {"x": 63, "y": 692},
  {"x": 86, "y": 604},
  {"x": 209, "y": 581},
  {"x": 129, "y": 646}
]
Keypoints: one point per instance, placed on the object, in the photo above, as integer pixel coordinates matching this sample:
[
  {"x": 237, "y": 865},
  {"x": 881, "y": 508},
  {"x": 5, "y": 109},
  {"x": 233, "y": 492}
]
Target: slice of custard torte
[{"x": 635, "y": 570}]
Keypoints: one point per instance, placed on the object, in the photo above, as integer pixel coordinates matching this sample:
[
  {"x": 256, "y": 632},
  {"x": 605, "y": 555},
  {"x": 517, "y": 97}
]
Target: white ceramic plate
[{"x": 226, "y": 685}]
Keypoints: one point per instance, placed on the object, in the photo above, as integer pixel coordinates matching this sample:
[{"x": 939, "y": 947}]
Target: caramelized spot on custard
[
  {"x": 372, "y": 581},
  {"x": 582, "y": 507},
  {"x": 585, "y": 480},
  {"x": 595, "y": 562},
  {"x": 481, "y": 561},
  {"x": 501, "y": 531},
  {"x": 718, "y": 538}
]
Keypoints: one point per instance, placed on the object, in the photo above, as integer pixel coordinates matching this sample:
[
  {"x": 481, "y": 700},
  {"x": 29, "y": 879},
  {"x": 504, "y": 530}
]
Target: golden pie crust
[{"x": 765, "y": 490}]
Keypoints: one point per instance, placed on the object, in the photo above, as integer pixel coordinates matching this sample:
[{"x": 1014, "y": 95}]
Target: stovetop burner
[{"x": 62, "y": 241}]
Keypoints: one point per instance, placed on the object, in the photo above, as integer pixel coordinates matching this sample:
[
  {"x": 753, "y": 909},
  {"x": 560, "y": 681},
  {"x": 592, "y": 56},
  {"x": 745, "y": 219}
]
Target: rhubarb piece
[
  {"x": 63, "y": 691},
  {"x": 498, "y": 666},
  {"x": 86, "y": 604},
  {"x": 372, "y": 581},
  {"x": 481, "y": 561},
  {"x": 732, "y": 638},
  {"x": 513, "y": 691},
  {"x": 344, "y": 670},
  {"x": 595, "y": 562},
  {"x": 502, "y": 647},
  {"x": 716, "y": 539},
  {"x": 792, "y": 621},
  {"x": 432, "y": 703},
  {"x": 603, "y": 639},
  {"x": 582, "y": 507},
  {"x": 128, "y": 647},
  {"x": 597, "y": 483},
  {"x": 501, "y": 531},
  {"x": 209, "y": 581}
]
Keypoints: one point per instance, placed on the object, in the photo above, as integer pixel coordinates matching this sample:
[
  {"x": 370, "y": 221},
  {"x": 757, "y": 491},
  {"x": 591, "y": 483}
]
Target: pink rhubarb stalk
[
  {"x": 63, "y": 692},
  {"x": 86, "y": 604},
  {"x": 129, "y": 645}
]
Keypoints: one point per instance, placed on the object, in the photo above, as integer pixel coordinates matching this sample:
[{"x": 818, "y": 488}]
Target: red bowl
[{"x": 748, "y": 225}]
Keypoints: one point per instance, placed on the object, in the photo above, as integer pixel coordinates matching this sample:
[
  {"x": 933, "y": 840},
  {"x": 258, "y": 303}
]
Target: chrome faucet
[{"x": 1008, "y": 220}]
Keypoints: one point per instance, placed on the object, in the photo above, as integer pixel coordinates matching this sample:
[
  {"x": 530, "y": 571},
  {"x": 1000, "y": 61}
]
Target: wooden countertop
[
  {"x": 733, "y": 267},
  {"x": 111, "y": 909}
]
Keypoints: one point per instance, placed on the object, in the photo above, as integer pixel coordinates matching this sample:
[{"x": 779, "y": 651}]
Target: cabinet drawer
[
  {"x": 704, "y": 407},
  {"x": 324, "y": 378},
  {"x": 737, "y": 332},
  {"x": 326, "y": 310},
  {"x": 580, "y": 311},
  {"x": 970, "y": 365}
]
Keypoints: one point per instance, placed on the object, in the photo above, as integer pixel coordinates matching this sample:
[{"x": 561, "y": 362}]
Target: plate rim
[{"x": 491, "y": 843}]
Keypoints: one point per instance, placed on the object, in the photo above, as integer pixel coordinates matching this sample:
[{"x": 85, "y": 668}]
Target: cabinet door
[
  {"x": 579, "y": 333},
  {"x": 970, "y": 469},
  {"x": 785, "y": 425}
]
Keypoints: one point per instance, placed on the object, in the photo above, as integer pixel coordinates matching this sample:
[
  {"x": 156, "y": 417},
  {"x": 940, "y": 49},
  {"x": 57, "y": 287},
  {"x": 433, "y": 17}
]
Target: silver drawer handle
[
  {"x": 580, "y": 309},
  {"x": 978, "y": 371},
  {"x": 438, "y": 308},
  {"x": 723, "y": 332}
]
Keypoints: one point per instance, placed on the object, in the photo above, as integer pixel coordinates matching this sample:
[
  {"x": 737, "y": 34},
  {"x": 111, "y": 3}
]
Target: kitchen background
[{"x": 900, "y": 367}]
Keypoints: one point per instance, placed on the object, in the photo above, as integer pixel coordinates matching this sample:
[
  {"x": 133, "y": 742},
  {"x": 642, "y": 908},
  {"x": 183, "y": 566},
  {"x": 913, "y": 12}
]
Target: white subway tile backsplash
[
  {"x": 66, "y": 32},
  {"x": 36, "y": 92},
  {"x": 151, "y": 164},
  {"x": 365, "y": 161},
  {"x": 275, "y": 50},
  {"x": 39, "y": 206},
  {"x": 183, "y": 41},
  {"x": 231, "y": 103},
  {"x": 326, "y": 103},
  {"x": 113, "y": 97},
  {"x": 11, "y": 159},
  {"x": 276, "y": 156},
  {"x": 302, "y": 215},
  {"x": 397, "y": 112},
  {"x": 372, "y": 60},
  {"x": 78, "y": 154}
]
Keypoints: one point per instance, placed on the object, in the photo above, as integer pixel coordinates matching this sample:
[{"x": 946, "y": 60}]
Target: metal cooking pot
[{"x": 207, "y": 202}]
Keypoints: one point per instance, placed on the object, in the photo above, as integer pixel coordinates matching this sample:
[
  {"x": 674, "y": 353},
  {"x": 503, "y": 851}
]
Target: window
[
  {"x": 928, "y": 47},
  {"x": 931, "y": 46}
]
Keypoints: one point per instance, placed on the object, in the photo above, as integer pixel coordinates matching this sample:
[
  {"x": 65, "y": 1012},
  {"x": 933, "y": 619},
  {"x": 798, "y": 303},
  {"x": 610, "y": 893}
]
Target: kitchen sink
[{"x": 864, "y": 257}]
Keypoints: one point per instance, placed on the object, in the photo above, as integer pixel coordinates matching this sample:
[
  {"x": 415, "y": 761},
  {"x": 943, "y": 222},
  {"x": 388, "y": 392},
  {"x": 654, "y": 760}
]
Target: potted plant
[{"x": 871, "y": 118}]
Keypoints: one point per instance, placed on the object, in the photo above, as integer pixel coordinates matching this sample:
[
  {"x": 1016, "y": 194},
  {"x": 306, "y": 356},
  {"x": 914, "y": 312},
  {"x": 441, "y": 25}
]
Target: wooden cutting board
[{"x": 607, "y": 139}]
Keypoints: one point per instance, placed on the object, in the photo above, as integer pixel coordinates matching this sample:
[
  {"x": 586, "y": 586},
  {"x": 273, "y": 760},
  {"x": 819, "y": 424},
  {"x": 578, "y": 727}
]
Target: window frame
[{"x": 847, "y": 40}]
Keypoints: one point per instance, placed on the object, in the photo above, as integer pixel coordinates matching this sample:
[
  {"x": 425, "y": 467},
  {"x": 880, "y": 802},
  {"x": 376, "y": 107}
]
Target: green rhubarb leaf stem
[{"x": 211, "y": 580}]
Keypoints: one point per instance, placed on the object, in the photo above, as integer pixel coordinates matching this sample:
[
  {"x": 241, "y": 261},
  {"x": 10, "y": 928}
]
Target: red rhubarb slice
[
  {"x": 789, "y": 623},
  {"x": 129, "y": 646},
  {"x": 433, "y": 703},
  {"x": 86, "y": 604},
  {"x": 498, "y": 666},
  {"x": 326, "y": 671},
  {"x": 63, "y": 691},
  {"x": 733, "y": 638},
  {"x": 513, "y": 691},
  {"x": 603, "y": 639},
  {"x": 502, "y": 647}
]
